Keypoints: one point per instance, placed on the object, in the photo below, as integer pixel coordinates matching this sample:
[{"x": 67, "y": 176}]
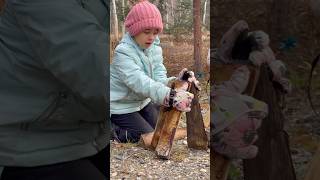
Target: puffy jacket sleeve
[
  {"x": 160, "y": 72},
  {"x": 71, "y": 44},
  {"x": 135, "y": 78}
]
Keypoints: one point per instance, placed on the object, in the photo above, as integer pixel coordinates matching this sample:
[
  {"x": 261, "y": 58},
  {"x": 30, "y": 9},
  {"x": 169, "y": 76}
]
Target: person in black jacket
[{"x": 53, "y": 92}]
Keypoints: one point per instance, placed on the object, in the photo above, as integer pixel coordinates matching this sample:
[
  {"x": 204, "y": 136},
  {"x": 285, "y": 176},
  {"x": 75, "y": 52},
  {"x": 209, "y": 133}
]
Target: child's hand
[
  {"x": 186, "y": 75},
  {"x": 237, "y": 140},
  {"x": 265, "y": 55},
  {"x": 181, "y": 73},
  {"x": 180, "y": 99},
  {"x": 261, "y": 38}
]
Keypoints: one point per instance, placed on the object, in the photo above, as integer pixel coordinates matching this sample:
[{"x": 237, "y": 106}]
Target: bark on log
[
  {"x": 219, "y": 166},
  {"x": 273, "y": 161},
  {"x": 197, "y": 137},
  {"x": 165, "y": 141},
  {"x": 159, "y": 127},
  {"x": 166, "y": 128},
  {"x": 146, "y": 139}
]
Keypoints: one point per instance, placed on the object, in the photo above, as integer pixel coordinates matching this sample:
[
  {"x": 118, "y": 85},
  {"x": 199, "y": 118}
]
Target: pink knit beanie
[{"x": 141, "y": 16}]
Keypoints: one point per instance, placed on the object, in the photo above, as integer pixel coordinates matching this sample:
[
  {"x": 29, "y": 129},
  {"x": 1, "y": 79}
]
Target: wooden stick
[
  {"x": 159, "y": 126},
  {"x": 168, "y": 131},
  {"x": 197, "y": 137},
  {"x": 219, "y": 166},
  {"x": 274, "y": 158},
  {"x": 166, "y": 128},
  {"x": 146, "y": 139}
]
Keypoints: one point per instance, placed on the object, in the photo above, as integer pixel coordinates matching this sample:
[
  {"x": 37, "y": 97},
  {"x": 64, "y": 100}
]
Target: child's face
[{"x": 145, "y": 38}]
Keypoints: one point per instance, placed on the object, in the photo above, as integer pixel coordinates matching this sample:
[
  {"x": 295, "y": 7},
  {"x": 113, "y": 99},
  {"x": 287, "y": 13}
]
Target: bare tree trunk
[
  {"x": 197, "y": 37},
  {"x": 167, "y": 15},
  {"x": 279, "y": 19},
  {"x": 172, "y": 11},
  {"x": 115, "y": 18},
  {"x": 123, "y": 29},
  {"x": 204, "y": 12}
]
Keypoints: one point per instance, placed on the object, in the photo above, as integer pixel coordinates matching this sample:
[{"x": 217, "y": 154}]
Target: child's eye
[{"x": 147, "y": 31}]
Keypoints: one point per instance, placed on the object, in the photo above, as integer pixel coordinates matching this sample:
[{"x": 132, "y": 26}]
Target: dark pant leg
[
  {"x": 102, "y": 161},
  {"x": 150, "y": 113},
  {"x": 130, "y": 126},
  {"x": 79, "y": 169}
]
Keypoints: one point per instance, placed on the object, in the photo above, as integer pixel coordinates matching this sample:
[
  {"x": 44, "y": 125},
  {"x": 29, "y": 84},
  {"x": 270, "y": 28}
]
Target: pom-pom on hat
[{"x": 141, "y": 16}]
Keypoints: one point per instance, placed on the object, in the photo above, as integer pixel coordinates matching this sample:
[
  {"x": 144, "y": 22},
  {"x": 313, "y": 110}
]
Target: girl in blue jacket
[{"x": 138, "y": 80}]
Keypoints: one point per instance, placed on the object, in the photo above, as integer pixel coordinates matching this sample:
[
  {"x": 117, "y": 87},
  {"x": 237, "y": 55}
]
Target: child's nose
[{"x": 151, "y": 37}]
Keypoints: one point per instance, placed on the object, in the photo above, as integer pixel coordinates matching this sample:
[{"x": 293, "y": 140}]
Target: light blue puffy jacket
[{"x": 137, "y": 76}]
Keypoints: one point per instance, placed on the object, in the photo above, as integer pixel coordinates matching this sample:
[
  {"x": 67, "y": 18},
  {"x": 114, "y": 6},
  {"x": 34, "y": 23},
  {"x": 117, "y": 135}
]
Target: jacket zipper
[
  {"x": 149, "y": 63},
  {"x": 151, "y": 71}
]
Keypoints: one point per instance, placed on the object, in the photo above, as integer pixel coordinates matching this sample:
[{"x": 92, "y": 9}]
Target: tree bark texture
[
  {"x": 197, "y": 137},
  {"x": 273, "y": 161}
]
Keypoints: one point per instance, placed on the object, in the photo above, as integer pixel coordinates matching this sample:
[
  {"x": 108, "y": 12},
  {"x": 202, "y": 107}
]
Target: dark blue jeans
[{"x": 129, "y": 127}]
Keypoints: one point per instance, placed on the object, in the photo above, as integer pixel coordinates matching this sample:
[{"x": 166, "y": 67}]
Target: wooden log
[
  {"x": 313, "y": 172},
  {"x": 206, "y": 114},
  {"x": 167, "y": 125},
  {"x": 274, "y": 159},
  {"x": 197, "y": 137},
  {"x": 168, "y": 131},
  {"x": 219, "y": 167},
  {"x": 159, "y": 127},
  {"x": 146, "y": 139},
  {"x": 163, "y": 137}
]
